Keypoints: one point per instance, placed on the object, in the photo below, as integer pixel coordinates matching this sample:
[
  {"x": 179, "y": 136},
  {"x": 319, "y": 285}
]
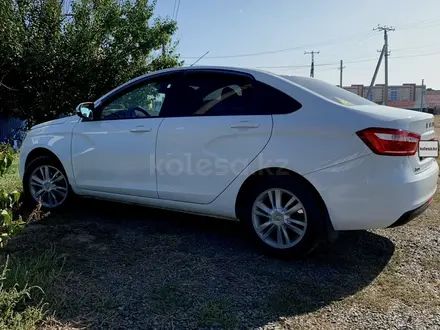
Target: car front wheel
[
  {"x": 45, "y": 182},
  {"x": 284, "y": 216}
]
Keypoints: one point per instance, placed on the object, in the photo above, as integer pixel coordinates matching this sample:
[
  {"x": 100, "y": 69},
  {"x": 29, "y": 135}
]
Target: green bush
[
  {"x": 51, "y": 49},
  {"x": 10, "y": 225}
]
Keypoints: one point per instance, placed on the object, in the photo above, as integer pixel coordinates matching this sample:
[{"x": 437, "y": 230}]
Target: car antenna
[{"x": 200, "y": 58}]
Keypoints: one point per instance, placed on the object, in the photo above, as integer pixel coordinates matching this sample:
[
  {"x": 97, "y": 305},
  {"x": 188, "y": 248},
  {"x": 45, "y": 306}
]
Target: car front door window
[{"x": 141, "y": 102}]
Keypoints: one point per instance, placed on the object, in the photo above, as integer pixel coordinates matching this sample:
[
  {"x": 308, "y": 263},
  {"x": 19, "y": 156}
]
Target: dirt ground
[{"x": 127, "y": 267}]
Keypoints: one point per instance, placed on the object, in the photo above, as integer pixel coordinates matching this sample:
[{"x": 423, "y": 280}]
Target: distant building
[{"x": 406, "y": 96}]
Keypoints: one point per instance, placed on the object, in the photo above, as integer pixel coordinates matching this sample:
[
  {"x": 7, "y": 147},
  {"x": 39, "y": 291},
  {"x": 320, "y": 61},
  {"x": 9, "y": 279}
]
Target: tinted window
[
  {"x": 333, "y": 93},
  {"x": 146, "y": 100},
  {"x": 212, "y": 94},
  {"x": 275, "y": 102}
]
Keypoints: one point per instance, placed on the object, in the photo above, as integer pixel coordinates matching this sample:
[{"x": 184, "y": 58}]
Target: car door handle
[
  {"x": 245, "y": 125},
  {"x": 140, "y": 129}
]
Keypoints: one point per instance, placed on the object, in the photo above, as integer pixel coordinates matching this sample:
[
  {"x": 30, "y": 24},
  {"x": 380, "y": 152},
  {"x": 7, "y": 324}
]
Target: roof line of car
[{"x": 158, "y": 73}]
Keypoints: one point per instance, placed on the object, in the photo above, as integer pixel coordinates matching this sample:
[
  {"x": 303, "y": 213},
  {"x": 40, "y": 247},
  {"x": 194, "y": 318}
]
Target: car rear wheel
[
  {"x": 284, "y": 216},
  {"x": 45, "y": 182}
]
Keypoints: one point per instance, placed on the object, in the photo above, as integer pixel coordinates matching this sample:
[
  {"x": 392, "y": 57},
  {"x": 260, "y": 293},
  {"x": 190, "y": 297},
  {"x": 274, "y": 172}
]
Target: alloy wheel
[
  {"x": 279, "y": 218},
  {"x": 48, "y": 185}
]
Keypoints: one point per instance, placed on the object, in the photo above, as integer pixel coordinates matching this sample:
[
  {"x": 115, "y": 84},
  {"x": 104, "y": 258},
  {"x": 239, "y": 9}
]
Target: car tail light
[{"x": 389, "y": 141}]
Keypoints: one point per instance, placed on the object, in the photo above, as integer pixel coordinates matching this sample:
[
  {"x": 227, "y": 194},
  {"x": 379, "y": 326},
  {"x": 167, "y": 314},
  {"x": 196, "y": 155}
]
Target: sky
[{"x": 339, "y": 29}]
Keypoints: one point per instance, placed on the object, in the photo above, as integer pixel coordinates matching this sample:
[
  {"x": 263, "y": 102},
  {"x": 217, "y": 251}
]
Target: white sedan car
[{"x": 294, "y": 158}]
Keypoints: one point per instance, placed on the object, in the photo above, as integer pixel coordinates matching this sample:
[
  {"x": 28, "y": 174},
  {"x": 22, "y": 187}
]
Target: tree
[{"x": 52, "y": 59}]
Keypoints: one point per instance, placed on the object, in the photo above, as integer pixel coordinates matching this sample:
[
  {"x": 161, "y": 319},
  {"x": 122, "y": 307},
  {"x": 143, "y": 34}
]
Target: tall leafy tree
[{"x": 54, "y": 55}]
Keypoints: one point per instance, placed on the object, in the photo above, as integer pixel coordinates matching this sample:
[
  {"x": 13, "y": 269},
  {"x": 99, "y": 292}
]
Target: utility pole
[
  {"x": 312, "y": 66},
  {"x": 341, "y": 68},
  {"x": 385, "y": 30},
  {"x": 370, "y": 89},
  {"x": 421, "y": 96}
]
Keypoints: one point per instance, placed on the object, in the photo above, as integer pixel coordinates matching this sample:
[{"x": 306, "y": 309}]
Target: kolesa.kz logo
[{"x": 428, "y": 149}]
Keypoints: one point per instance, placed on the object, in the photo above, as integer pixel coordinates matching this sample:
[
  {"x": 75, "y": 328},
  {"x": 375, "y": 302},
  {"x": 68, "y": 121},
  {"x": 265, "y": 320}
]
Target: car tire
[
  {"x": 308, "y": 221},
  {"x": 57, "y": 186}
]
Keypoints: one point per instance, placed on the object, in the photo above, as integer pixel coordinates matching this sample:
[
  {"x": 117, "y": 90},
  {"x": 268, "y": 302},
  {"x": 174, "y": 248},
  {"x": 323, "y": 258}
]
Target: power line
[
  {"x": 320, "y": 64},
  {"x": 363, "y": 35},
  {"x": 330, "y": 42},
  {"x": 299, "y": 69},
  {"x": 420, "y": 24},
  {"x": 292, "y": 66},
  {"x": 422, "y": 27},
  {"x": 371, "y": 59},
  {"x": 368, "y": 35},
  {"x": 174, "y": 9},
  {"x": 418, "y": 55},
  {"x": 363, "y": 60},
  {"x": 177, "y": 10},
  {"x": 413, "y": 48}
]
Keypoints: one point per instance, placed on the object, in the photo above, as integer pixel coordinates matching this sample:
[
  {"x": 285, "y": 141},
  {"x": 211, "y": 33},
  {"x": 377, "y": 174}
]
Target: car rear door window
[{"x": 217, "y": 94}]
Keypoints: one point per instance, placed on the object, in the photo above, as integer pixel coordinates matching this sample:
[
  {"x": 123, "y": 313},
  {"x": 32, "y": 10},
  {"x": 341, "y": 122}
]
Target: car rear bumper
[
  {"x": 410, "y": 215},
  {"x": 373, "y": 191}
]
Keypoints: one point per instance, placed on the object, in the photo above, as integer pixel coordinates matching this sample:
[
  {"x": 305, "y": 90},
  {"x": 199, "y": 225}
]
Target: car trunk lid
[{"x": 421, "y": 123}]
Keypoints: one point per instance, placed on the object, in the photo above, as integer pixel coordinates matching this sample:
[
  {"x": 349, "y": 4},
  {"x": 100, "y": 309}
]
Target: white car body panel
[
  {"x": 198, "y": 158},
  {"x": 55, "y": 136},
  {"x": 108, "y": 157},
  {"x": 360, "y": 195},
  {"x": 361, "y": 190}
]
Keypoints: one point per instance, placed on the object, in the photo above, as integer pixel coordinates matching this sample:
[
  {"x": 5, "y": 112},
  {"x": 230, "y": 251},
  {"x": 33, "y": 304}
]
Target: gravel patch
[{"x": 130, "y": 267}]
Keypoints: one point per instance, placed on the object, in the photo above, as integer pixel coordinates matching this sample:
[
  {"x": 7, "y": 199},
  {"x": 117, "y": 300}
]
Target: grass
[
  {"x": 217, "y": 313},
  {"x": 39, "y": 269},
  {"x": 11, "y": 180},
  {"x": 18, "y": 318},
  {"x": 168, "y": 301},
  {"x": 23, "y": 287}
]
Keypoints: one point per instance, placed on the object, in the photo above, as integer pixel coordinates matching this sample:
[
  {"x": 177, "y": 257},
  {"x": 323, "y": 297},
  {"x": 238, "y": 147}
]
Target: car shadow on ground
[{"x": 130, "y": 267}]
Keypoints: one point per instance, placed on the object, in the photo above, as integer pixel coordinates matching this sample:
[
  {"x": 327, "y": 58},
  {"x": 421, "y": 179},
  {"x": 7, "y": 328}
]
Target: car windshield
[{"x": 331, "y": 92}]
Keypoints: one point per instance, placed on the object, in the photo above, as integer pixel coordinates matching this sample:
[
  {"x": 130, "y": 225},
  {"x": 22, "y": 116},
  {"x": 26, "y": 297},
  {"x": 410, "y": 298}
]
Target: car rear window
[{"x": 329, "y": 91}]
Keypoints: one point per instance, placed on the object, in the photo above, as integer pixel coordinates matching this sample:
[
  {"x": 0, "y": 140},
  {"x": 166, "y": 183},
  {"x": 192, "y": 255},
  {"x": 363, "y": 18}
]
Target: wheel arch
[
  {"x": 253, "y": 179},
  {"x": 39, "y": 152}
]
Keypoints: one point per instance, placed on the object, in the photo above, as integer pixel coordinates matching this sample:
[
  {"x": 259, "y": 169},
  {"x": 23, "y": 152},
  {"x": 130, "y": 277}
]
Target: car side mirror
[{"x": 85, "y": 110}]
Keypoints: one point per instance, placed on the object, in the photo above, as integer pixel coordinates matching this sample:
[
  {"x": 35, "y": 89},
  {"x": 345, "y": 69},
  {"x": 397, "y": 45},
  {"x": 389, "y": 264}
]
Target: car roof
[{"x": 257, "y": 73}]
